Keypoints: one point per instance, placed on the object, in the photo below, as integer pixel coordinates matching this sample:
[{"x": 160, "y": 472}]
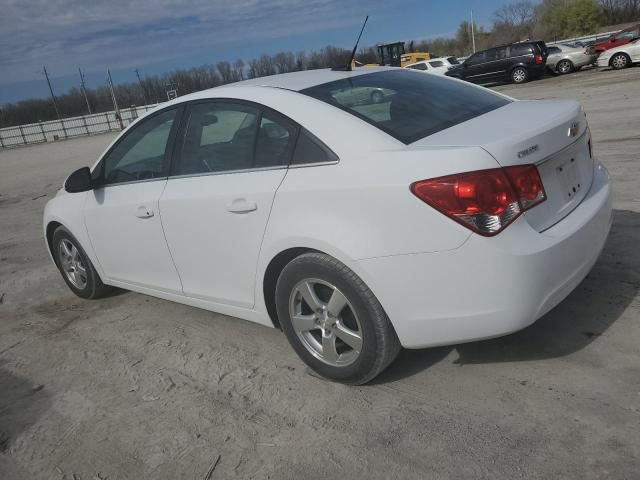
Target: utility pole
[
  {"x": 53, "y": 97},
  {"x": 144, "y": 93},
  {"x": 115, "y": 102},
  {"x": 84, "y": 90},
  {"x": 473, "y": 35}
]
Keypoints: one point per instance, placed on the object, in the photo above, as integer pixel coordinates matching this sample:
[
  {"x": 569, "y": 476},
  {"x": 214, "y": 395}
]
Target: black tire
[
  {"x": 564, "y": 67},
  {"x": 519, "y": 75},
  {"x": 620, "y": 61},
  {"x": 93, "y": 288},
  {"x": 380, "y": 344}
]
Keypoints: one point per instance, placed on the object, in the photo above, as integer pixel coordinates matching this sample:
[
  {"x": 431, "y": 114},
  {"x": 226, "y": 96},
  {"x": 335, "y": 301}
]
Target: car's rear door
[{"x": 229, "y": 160}]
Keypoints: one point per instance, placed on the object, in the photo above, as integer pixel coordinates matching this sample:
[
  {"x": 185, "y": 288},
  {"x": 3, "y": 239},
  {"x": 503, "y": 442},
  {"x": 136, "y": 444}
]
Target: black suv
[{"x": 516, "y": 62}]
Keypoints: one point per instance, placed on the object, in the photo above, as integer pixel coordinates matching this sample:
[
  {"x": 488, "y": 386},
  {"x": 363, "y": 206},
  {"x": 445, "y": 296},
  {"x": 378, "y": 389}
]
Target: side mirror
[{"x": 79, "y": 181}]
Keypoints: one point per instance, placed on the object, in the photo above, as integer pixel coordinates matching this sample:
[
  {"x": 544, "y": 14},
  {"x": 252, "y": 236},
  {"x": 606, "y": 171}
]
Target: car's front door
[
  {"x": 122, "y": 216},
  {"x": 230, "y": 160},
  {"x": 474, "y": 67}
]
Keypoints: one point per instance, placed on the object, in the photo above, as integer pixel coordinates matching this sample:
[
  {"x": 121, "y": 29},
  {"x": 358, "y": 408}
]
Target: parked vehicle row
[{"x": 522, "y": 61}]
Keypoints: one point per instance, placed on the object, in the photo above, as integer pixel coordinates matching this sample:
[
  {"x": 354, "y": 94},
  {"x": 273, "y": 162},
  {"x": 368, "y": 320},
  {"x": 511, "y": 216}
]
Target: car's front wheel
[
  {"x": 76, "y": 268},
  {"x": 333, "y": 321},
  {"x": 620, "y": 61},
  {"x": 519, "y": 75}
]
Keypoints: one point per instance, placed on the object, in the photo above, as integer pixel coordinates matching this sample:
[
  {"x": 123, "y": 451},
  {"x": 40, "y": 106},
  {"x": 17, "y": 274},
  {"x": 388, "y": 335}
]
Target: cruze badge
[
  {"x": 524, "y": 153},
  {"x": 573, "y": 129}
]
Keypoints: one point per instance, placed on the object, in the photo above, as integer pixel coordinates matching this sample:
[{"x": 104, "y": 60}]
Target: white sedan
[
  {"x": 445, "y": 213},
  {"x": 621, "y": 57},
  {"x": 435, "y": 65}
]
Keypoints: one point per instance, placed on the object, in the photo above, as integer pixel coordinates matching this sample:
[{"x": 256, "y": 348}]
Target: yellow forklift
[{"x": 394, "y": 55}]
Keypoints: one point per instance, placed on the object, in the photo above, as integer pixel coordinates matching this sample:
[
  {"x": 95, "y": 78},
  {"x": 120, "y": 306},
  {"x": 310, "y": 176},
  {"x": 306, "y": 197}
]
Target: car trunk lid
[{"x": 553, "y": 135}]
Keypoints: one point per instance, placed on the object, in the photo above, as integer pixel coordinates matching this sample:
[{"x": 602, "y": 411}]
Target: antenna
[{"x": 347, "y": 67}]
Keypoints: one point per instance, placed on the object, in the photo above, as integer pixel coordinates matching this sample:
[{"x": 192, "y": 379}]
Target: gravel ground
[{"x": 136, "y": 387}]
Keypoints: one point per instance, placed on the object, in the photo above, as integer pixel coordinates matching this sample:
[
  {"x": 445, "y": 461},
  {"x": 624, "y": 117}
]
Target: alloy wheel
[
  {"x": 619, "y": 61},
  {"x": 72, "y": 265},
  {"x": 564, "y": 66},
  {"x": 325, "y": 322},
  {"x": 519, "y": 75}
]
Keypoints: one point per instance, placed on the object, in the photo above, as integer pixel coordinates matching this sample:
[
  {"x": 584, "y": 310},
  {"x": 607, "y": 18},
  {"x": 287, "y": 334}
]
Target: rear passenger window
[
  {"x": 311, "y": 150},
  {"x": 519, "y": 50},
  {"x": 275, "y": 141},
  {"x": 226, "y": 136}
]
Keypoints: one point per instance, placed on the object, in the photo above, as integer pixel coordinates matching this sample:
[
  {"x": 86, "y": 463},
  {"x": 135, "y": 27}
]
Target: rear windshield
[
  {"x": 406, "y": 104},
  {"x": 453, "y": 61}
]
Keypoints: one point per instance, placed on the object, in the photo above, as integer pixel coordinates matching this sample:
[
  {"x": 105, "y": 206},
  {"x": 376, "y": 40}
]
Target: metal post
[
  {"x": 44, "y": 137},
  {"x": 84, "y": 90},
  {"x": 24, "y": 139},
  {"x": 84, "y": 121},
  {"x": 144, "y": 93},
  {"x": 53, "y": 97},
  {"x": 1, "y": 142},
  {"x": 108, "y": 122},
  {"x": 115, "y": 102},
  {"x": 473, "y": 36}
]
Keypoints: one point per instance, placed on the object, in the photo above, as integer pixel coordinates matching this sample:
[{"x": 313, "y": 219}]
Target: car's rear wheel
[
  {"x": 333, "y": 321},
  {"x": 519, "y": 75},
  {"x": 620, "y": 61},
  {"x": 76, "y": 268},
  {"x": 564, "y": 67}
]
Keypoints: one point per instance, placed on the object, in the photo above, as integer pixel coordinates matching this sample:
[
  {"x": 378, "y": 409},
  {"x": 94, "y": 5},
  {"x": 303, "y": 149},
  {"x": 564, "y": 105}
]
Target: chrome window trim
[
  {"x": 131, "y": 182},
  {"x": 314, "y": 164},
  {"x": 228, "y": 172}
]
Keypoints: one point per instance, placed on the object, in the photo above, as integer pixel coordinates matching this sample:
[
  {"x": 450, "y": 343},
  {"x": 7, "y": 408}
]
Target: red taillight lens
[
  {"x": 527, "y": 184},
  {"x": 538, "y": 59},
  {"x": 485, "y": 201}
]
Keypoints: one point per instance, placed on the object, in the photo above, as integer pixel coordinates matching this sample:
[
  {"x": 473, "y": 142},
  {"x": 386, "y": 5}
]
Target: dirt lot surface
[{"x": 134, "y": 387}]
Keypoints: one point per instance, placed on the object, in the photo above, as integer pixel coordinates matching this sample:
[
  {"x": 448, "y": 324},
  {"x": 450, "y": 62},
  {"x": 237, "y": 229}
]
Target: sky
[{"x": 157, "y": 36}]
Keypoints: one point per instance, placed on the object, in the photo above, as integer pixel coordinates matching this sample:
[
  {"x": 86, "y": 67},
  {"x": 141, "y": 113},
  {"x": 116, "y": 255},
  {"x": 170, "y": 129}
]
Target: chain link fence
[{"x": 54, "y": 130}]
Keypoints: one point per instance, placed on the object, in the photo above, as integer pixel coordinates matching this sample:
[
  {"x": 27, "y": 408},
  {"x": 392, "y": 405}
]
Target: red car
[{"x": 621, "y": 38}]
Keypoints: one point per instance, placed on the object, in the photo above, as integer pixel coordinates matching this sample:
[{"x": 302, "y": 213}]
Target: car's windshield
[{"x": 406, "y": 104}]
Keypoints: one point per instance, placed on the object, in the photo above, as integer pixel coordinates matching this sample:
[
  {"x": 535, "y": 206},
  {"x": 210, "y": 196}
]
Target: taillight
[
  {"x": 538, "y": 59},
  {"x": 485, "y": 201}
]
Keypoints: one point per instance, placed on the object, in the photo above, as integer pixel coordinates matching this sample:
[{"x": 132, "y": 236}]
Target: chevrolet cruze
[{"x": 440, "y": 213}]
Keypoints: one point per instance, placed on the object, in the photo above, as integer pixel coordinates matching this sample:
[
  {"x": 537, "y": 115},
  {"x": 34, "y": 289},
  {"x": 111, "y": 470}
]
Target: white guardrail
[
  {"x": 586, "y": 38},
  {"x": 54, "y": 130}
]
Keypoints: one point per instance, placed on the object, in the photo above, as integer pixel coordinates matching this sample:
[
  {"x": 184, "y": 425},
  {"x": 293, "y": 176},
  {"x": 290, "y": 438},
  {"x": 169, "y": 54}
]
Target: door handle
[
  {"x": 144, "y": 212},
  {"x": 241, "y": 205}
]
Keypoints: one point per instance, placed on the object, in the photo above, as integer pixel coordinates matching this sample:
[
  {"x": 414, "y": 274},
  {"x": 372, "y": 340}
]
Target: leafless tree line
[{"x": 547, "y": 19}]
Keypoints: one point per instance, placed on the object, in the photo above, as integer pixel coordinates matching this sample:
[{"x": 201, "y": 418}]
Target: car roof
[{"x": 297, "y": 81}]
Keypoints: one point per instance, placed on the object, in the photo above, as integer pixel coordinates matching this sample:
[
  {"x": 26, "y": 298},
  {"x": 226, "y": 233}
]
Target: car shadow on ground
[
  {"x": 21, "y": 404},
  {"x": 583, "y": 317}
]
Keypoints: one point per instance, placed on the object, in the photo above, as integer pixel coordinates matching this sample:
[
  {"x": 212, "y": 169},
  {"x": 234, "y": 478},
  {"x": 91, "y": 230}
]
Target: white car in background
[
  {"x": 435, "y": 65},
  {"x": 621, "y": 57},
  {"x": 445, "y": 213}
]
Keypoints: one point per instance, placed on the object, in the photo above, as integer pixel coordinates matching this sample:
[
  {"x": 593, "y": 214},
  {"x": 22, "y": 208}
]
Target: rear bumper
[{"x": 491, "y": 286}]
